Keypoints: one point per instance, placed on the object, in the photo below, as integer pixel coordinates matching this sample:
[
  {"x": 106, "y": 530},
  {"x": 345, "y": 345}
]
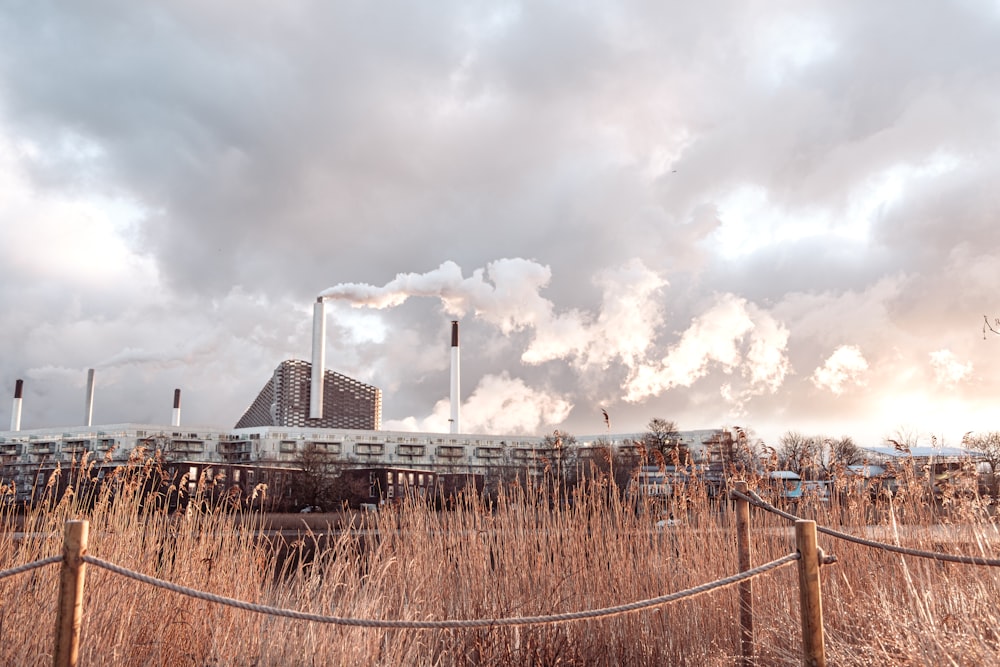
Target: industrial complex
[
  {"x": 303, "y": 406},
  {"x": 305, "y": 412}
]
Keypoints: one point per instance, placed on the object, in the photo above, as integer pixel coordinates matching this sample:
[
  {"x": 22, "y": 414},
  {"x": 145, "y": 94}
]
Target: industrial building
[
  {"x": 304, "y": 407},
  {"x": 285, "y": 399}
]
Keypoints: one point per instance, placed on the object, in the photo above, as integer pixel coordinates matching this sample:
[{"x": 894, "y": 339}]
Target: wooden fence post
[
  {"x": 745, "y": 587},
  {"x": 69, "y": 615},
  {"x": 810, "y": 601}
]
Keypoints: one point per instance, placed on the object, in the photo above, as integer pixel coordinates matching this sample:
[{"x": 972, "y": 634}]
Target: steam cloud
[
  {"x": 845, "y": 366},
  {"x": 499, "y": 404},
  {"x": 732, "y": 335},
  {"x": 948, "y": 370}
]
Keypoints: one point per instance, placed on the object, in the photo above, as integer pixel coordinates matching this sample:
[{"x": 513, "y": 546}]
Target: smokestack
[
  {"x": 15, "y": 412},
  {"x": 88, "y": 413},
  {"x": 318, "y": 360},
  {"x": 456, "y": 392},
  {"x": 176, "y": 419}
]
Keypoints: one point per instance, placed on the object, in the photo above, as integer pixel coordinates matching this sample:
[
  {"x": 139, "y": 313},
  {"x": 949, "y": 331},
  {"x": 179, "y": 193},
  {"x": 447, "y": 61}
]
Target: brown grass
[{"x": 522, "y": 556}]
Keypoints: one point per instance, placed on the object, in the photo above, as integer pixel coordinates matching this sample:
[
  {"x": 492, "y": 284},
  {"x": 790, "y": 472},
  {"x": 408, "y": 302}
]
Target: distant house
[
  {"x": 787, "y": 484},
  {"x": 937, "y": 465},
  {"x": 378, "y": 485},
  {"x": 660, "y": 482}
]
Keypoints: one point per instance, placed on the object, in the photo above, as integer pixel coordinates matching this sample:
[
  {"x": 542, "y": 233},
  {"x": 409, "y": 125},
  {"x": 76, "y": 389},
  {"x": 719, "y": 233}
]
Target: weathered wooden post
[
  {"x": 69, "y": 615},
  {"x": 810, "y": 602},
  {"x": 745, "y": 587}
]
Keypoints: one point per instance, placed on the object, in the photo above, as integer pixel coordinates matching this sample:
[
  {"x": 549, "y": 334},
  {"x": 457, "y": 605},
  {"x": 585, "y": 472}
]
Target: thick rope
[
  {"x": 430, "y": 625},
  {"x": 30, "y": 566},
  {"x": 757, "y": 501}
]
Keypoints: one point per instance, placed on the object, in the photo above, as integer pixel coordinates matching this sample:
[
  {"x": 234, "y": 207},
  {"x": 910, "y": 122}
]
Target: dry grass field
[{"x": 522, "y": 555}]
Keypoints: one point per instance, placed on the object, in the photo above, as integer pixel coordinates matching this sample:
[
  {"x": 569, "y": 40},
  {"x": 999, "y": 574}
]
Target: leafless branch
[{"x": 987, "y": 326}]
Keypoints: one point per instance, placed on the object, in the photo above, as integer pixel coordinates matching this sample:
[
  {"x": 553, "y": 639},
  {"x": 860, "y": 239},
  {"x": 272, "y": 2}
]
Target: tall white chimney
[
  {"x": 15, "y": 412},
  {"x": 456, "y": 391},
  {"x": 318, "y": 360},
  {"x": 175, "y": 419},
  {"x": 88, "y": 414}
]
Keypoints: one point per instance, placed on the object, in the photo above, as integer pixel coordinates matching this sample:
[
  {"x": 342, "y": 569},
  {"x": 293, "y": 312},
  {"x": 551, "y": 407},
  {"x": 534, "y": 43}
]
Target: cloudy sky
[{"x": 779, "y": 215}]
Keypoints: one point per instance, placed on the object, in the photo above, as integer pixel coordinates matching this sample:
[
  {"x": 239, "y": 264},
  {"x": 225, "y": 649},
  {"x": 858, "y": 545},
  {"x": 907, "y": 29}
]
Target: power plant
[{"x": 302, "y": 407}]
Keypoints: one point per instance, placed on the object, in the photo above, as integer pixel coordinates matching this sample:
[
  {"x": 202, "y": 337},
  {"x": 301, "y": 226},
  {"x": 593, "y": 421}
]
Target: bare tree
[
  {"x": 662, "y": 436},
  {"x": 749, "y": 451},
  {"x": 564, "y": 453},
  {"x": 800, "y": 453},
  {"x": 844, "y": 452},
  {"x": 616, "y": 465},
  {"x": 987, "y": 444},
  {"x": 320, "y": 482}
]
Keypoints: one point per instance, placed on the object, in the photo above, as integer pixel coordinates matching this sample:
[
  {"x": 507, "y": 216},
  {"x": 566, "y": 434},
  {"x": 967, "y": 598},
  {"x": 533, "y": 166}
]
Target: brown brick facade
[{"x": 284, "y": 401}]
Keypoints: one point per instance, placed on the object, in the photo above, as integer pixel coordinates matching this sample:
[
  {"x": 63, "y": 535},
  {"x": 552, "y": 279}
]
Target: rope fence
[
  {"x": 440, "y": 625},
  {"x": 807, "y": 554},
  {"x": 27, "y": 567},
  {"x": 755, "y": 500},
  {"x": 416, "y": 625},
  {"x": 73, "y": 558}
]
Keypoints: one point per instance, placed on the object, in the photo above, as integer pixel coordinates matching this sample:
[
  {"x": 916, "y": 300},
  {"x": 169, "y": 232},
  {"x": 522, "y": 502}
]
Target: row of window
[{"x": 410, "y": 450}]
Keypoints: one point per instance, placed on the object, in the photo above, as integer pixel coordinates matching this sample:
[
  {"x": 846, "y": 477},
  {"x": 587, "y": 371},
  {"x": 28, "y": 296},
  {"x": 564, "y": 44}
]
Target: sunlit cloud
[
  {"x": 948, "y": 370},
  {"x": 726, "y": 337},
  {"x": 845, "y": 367}
]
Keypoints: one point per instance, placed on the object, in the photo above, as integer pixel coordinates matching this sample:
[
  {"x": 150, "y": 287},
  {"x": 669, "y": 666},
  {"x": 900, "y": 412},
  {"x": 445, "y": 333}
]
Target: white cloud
[
  {"x": 948, "y": 370},
  {"x": 846, "y": 366},
  {"x": 767, "y": 363}
]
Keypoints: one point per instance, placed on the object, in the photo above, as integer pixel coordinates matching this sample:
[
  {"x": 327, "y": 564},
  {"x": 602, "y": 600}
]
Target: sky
[{"x": 776, "y": 215}]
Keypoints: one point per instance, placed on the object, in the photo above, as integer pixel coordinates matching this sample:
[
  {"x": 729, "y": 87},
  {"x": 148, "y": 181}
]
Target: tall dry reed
[{"x": 526, "y": 553}]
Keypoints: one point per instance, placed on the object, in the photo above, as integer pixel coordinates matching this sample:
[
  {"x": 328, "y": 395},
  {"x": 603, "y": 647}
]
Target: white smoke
[
  {"x": 512, "y": 301},
  {"x": 507, "y": 294},
  {"x": 624, "y": 328},
  {"x": 948, "y": 370},
  {"x": 845, "y": 366},
  {"x": 499, "y": 404},
  {"x": 731, "y": 336},
  {"x": 138, "y": 356},
  {"x": 59, "y": 374},
  {"x": 717, "y": 339}
]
